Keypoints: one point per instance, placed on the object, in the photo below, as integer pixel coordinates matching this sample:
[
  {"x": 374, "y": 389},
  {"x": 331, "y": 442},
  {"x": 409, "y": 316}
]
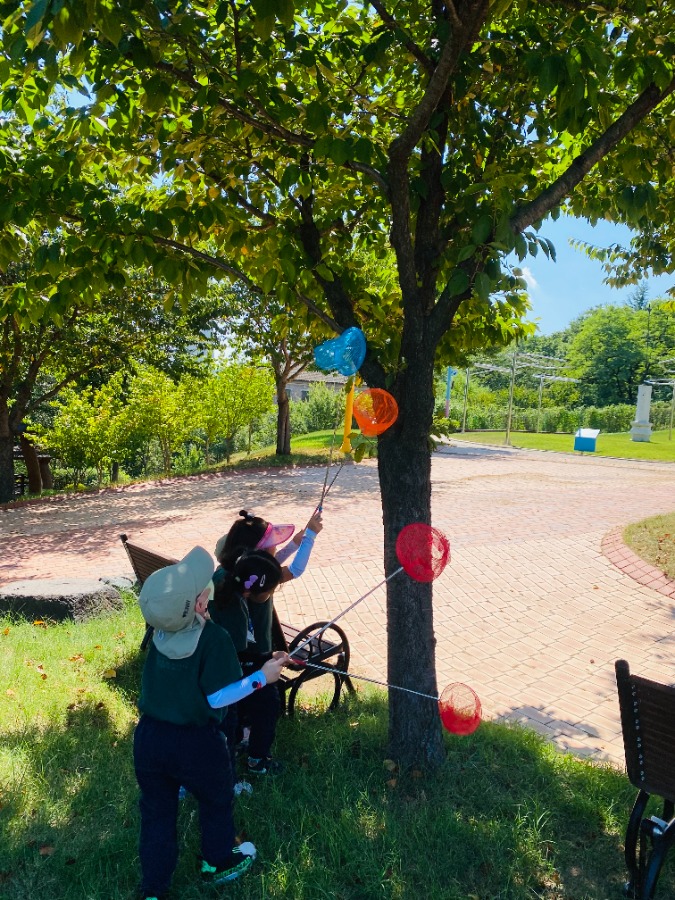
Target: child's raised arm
[{"x": 233, "y": 693}]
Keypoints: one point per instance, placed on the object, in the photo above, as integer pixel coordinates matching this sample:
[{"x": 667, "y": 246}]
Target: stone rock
[{"x": 77, "y": 599}]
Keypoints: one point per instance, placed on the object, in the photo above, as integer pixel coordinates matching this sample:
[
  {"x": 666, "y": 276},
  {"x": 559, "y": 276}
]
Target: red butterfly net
[
  {"x": 375, "y": 410},
  {"x": 423, "y": 551},
  {"x": 460, "y": 709}
]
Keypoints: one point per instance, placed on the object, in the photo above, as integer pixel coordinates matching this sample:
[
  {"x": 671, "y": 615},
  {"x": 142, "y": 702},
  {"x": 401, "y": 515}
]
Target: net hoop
[
  {"x": 344, "y": 353},
  {"x": 422, "y": 551},
  {"x": 460, "y": 709},
  {"x": 375, "y": 410}
]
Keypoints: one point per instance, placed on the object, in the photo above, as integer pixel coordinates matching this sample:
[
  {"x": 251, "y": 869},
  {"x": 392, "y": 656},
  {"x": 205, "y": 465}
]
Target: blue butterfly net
[{"x": 344, "y": 353}]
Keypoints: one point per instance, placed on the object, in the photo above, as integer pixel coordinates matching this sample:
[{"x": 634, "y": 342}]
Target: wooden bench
[
  {"x": 330, "y": 650},
  {"x": 648, "y": 728}
]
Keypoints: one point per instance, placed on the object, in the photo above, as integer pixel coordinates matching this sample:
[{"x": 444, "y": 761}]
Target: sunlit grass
[
  {"x": 654, "y": 540},
  {"x": 615, "y": 445},
  {"x": 506, "y": 817}
]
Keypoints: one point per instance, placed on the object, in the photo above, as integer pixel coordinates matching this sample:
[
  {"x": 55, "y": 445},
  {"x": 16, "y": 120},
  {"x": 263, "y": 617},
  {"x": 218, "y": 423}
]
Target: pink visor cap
[{"x": 275, "y": 535}]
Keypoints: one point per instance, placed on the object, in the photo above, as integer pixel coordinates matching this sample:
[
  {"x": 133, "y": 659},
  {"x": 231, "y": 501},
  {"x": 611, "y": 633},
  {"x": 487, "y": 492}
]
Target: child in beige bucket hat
[{"x": 190, "y": 675}]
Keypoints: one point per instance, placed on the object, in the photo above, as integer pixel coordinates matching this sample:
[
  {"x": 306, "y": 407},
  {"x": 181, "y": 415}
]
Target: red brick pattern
[
  {"x": 634, "y": 566},
  {"x": 530, "y": 612}
]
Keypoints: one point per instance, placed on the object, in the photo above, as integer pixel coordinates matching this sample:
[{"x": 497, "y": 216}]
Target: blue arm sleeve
[
  {"x": 286, "y": 551},
  {"x": 299, "y": 564},
  {"x": 237, "y": 690}
]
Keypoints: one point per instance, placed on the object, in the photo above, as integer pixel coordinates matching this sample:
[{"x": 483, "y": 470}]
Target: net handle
[
  {"x": 344, "y": 612},
  {"x": 349, "y": 415},
  {"x": 395, "y": 687}
]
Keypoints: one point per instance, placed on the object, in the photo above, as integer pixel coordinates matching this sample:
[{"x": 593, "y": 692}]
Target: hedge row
[{"x": 610, "y": 419}]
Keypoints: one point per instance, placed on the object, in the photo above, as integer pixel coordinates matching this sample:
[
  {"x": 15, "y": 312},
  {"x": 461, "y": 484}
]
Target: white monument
[{"x": 641, "y": 428}]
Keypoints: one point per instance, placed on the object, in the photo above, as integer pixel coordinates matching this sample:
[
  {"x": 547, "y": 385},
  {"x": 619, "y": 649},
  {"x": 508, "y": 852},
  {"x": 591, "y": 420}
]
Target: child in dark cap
[
  {"x": 246, "y": 610},
  {"x": 190, "y": 675}
]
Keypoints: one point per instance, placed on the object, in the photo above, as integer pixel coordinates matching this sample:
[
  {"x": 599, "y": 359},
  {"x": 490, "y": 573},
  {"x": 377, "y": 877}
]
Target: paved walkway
[{"x": 530, "y": 612}]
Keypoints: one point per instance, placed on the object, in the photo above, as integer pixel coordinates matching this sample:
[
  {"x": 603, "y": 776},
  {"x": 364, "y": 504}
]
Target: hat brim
[{"x": 275, "y": 535}]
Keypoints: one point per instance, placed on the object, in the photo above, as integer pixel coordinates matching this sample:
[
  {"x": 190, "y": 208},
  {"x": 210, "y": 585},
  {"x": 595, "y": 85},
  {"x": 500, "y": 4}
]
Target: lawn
[
  {"x": 654, "y": 540},
  {"x": 506, "y": 817},
  {"x": 616, "y": 445},
  {"x": 306, "y": 449}
]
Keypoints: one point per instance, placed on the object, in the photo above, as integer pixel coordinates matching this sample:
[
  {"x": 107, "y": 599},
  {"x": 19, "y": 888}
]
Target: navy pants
[
  {"x": 260, "y": 712},
  {"x": 167, "y": 756}
]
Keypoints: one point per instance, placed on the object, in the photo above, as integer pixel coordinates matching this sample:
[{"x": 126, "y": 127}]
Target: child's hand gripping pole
[{"x": 349, "y": 414}]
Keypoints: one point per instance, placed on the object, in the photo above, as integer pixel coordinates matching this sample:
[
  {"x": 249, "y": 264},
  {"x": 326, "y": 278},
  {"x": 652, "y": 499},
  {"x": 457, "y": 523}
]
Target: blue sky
[{"x": 561, "y": 290}]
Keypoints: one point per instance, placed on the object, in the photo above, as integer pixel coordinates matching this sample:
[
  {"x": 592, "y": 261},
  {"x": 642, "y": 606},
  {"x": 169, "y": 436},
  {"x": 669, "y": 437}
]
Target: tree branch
[
  {"x": 552, "y": 196},
  {"x": 205, "y": 257},
  {"x": 407, "y": 41},
  {"x": 402, "y": 146},
  {"x": 270, "y": 128}
]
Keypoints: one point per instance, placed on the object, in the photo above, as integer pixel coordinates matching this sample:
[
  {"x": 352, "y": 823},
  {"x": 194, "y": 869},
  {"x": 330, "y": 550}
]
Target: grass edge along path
[
  {"x": 611, "y": 445},
  {"x": 507, "y": 816},
  {"x": 653, "y": 540}
]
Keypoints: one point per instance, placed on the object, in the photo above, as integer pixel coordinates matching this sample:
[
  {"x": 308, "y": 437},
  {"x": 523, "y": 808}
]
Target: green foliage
[
  {"x": 86, "y": 431},
  {"x": 230, "y": 397},
  {"x": 324, "y": 408}
]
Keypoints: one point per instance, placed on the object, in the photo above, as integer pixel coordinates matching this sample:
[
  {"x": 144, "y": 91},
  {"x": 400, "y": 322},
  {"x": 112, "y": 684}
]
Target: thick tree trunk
[
  {"x": 115, "y": 472},
  {"x": 283, "y": 421},
  {"x": 404, "y": 463},
  {"x": 6, "y": 455},
  {"x": 30, "y": 457},
  {"x": 46, "y": 473}
]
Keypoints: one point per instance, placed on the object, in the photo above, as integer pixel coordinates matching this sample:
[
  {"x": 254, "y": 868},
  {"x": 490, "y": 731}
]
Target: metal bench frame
[
  {"x": 648, "y": 727},
  {"x": 330, "y": 649}
]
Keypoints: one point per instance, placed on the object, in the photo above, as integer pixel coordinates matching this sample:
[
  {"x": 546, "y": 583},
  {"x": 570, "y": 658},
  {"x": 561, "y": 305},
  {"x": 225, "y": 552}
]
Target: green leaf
[
  {"x": 286, "y": 12},
  {"x": 35, "y": 15},
  {"x": 482, "y": 229},
  {"x": 483, "y": 285},
  {"x": 339, "y": 151},
  {"x": 317, "y": 115},
  {"x": 290, "y": 177},
  {"x": 264, "y": 27},
  {"x": 325, "y": 273},
  {"x": 458, "y": 283},
  {"x": 269, "y": 280},
  {"x": 265, "y": 9}
]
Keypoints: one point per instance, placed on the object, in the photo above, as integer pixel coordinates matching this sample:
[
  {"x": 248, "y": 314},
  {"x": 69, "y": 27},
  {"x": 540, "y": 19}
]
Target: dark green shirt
[
  {"x": 261, "y": 618},
  {"x": 231, "y": 615},
  {"x": 175, "y": 690}
]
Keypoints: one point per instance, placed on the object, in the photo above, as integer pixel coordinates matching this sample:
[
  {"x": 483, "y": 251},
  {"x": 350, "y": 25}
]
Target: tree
[
  {"x": 639, "y": 298},
  {"x": 232, "y": 397},
  {"x": 290, "y": 136},
  {"x": 262, "y": 326},
  {"x": 47, "y": 344},
  {"x": 606, "y": 358}
]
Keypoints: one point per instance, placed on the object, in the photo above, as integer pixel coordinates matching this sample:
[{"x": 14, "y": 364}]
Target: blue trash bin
[{"x": 585, "y": 438}]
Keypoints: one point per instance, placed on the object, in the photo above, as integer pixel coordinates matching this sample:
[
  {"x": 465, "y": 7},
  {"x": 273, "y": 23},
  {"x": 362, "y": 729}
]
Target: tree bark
[
  {"x": 6, "y": 455},
  {"x": 283, "y": 420},
  {"x": 46, "y": 473},
  {"x": 30, "y": 457},
  {"x": 404, "y": 465}
]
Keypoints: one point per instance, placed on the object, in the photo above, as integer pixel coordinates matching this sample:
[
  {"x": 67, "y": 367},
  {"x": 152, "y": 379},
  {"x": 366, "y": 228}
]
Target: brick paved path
[{"x": 530, "y": 613}]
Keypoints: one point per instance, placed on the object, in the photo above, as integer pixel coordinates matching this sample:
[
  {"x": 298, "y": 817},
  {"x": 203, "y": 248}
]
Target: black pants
[
  {"x": 167, "y": 756},
  {"x": 260, "y": 712}
]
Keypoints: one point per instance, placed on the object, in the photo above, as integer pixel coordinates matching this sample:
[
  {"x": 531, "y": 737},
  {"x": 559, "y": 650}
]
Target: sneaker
[
  {"x": 243, "y": 787},
  {"x": 240, "y": 862},
  {"x": 264, "y": 766}
]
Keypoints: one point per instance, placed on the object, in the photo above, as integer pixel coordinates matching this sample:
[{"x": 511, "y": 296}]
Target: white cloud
[{"x": 530, "y": 280}]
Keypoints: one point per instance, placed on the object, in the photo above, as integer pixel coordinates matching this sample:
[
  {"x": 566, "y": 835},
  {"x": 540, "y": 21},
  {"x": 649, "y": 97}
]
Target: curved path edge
[{"x": 629, "y": 563}]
